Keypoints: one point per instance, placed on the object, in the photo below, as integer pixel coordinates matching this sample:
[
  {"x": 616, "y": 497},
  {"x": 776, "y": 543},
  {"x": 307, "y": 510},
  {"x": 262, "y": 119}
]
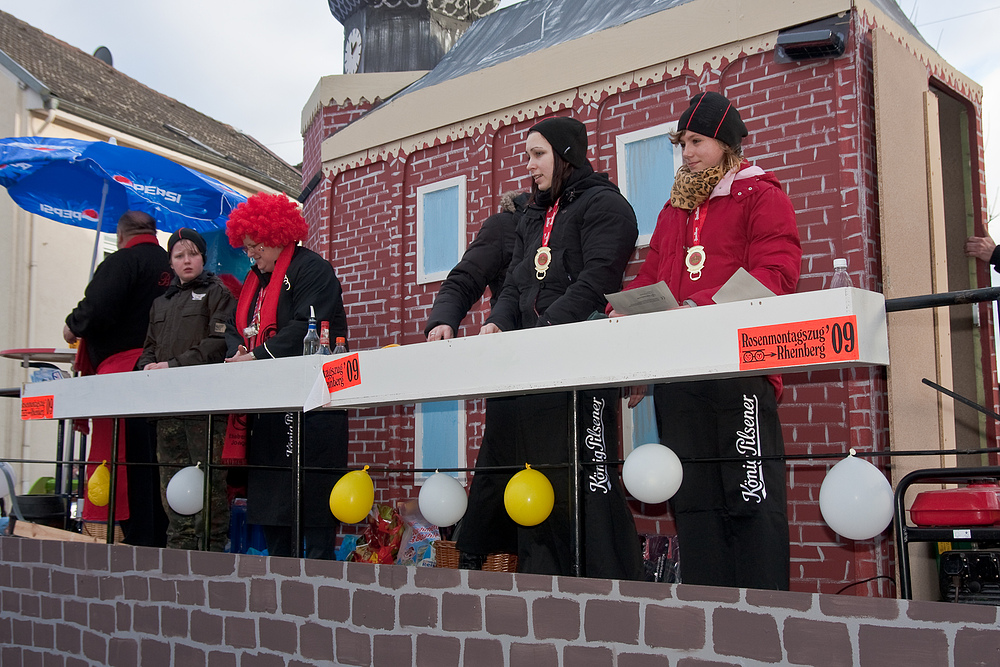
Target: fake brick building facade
[{"x": 812, "y": 123}]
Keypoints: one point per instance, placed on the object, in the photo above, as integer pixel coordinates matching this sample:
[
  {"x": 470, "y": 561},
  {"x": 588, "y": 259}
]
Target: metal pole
[
  {"x": 206, "y": 507},
  {"x": 576, "y": 538},
  {"x": 60, "y": 453},
  {"x": 297, "y": 461},
  {"x": 942, "y": 299},
  {"x": 113, "y": 491},
  {"x": 961, "y": 399},
  {"x": 902, "y": 556},
  {"x": 100, "y": 221}
]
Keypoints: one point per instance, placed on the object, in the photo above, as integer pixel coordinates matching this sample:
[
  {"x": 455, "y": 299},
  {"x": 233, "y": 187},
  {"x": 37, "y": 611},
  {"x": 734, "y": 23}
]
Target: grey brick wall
[{"x": 91, "y": 604}]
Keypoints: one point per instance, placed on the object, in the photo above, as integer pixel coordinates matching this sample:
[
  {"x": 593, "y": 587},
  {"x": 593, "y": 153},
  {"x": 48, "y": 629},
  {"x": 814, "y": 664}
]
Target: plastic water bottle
[
  {"x": 324, "y": 338},
  {"x": 841, "y": 278},
  {"x": 310, "y": 344},
  {"x": 341, "y": 347}
]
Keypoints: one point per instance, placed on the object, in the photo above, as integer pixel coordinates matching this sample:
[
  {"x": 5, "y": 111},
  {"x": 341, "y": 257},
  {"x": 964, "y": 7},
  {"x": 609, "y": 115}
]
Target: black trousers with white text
[
  {"x": 535, "y": 429},
  {"x": 732, "y": 522}
]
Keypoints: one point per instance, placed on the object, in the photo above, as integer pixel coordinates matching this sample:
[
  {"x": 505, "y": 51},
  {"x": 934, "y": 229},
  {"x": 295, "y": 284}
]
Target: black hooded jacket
[
  {"x": 592, "y": 238},
  {"x": 114, "y": 313},
  {"x": 483, "y": 265}
]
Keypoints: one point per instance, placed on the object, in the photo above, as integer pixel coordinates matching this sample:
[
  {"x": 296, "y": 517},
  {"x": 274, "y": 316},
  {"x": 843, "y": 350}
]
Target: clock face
[{"x": 352, "y": 52}]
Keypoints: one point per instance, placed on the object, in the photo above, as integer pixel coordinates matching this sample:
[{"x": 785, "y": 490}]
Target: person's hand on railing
[
  {"x": 440, "y": 332},
  {"x": 634, "y": 394},
  {"x": 980, "y": 247},
  {"x": 242, "y": 354}
]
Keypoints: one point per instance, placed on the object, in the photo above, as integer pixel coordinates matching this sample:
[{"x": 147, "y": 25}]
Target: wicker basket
[
  {"x": 99, "y": 529},
  {"x": 447, "y": 556}
]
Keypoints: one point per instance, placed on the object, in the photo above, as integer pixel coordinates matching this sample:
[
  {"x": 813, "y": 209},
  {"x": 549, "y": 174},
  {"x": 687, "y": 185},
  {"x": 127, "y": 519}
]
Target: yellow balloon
[
  {"x": 529, "y": 497},
  {"x": 99, "y": 485},
  {"x": 352, "y": 497}
]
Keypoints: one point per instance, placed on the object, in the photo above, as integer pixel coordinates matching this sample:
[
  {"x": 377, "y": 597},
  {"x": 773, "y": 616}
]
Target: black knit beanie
[
  {"x": 568, "y": 138},
  {"x": 187, "y": 235},
  {"x": 714, "y": 116}
]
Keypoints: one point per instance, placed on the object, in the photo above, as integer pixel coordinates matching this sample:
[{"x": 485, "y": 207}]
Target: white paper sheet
[
  {"x": 648, "y": 299},
  {"x": 741, "y": 287}
]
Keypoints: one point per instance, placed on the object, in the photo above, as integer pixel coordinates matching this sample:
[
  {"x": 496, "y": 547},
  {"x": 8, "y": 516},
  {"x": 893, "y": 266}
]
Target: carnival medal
[
  {"x": 695, "y": 261},
  {"x": 543, "y": 257}
]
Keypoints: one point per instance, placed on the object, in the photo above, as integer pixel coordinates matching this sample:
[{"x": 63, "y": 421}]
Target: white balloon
[
  {"x": 652, "y": 473},
  {"x": 4, "y": 488},
  {"x": 186, "y": 490},
  {"x": 442, "y": 500},
  {"x": 856, "y": 499}
]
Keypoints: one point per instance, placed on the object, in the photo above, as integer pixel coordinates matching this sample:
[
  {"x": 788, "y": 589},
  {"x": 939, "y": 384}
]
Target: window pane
[
  {"x": 644, "y": 422},
  {"x": 649, "y": 164},
  {"x": 440, "y": 225},
  {"x": 439, "y": 436}
]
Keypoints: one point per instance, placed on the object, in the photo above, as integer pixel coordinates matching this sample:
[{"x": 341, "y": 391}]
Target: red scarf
[
  {"x": 142, "y": 238},
  {"x": 234, "y": 451}
]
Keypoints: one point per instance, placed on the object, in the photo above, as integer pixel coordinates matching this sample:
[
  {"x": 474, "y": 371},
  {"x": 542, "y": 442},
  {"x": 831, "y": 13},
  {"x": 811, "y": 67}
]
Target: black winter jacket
[
  {"x": 592, "y": 238},
  {"x": 483, "y": 265},
  {"x": 309, "y": 281},
  {"x": 114, "y": 313},
  {"x": 187, "y": 325}
]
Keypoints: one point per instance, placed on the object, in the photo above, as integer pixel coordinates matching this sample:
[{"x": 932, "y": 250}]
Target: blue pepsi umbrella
[
  {"x": 91, "y": 184},
  {"x": 63, "y": 179}
]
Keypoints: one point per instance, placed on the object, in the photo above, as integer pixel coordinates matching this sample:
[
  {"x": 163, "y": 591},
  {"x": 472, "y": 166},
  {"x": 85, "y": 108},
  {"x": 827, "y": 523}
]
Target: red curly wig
[{"x": 272, "y": 220}]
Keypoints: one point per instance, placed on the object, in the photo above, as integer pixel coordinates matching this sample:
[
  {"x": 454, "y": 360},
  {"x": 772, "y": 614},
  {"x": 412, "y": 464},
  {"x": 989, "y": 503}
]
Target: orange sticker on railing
[
  {"x": 342, "y": 372},
  {"x": 799, "y": 343},
  {"x": 37, "y": 407}
]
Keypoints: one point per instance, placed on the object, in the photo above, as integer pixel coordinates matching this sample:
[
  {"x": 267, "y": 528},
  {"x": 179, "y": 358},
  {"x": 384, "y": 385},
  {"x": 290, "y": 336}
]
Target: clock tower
[{"x": 402, "y": 35}]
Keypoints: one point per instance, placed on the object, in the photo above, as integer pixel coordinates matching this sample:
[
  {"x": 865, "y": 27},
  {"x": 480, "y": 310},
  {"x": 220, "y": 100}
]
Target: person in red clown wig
[{"x": 271, "y": 318}]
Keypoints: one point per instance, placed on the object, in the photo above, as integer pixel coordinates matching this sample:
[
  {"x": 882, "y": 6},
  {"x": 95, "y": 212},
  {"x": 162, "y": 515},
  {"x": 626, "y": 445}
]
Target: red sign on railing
[
  {"x": 799, "y": 343},
  {"x": 342, "y": 372},
  {"x": 37, "y": 407}
]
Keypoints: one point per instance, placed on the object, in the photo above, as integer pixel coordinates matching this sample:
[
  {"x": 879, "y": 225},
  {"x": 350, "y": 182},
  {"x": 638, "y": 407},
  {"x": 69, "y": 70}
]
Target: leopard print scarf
[{"x": 692, "y": 188}]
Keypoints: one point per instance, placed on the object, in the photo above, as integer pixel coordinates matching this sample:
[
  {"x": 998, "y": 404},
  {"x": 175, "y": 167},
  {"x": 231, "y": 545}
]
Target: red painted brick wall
[{"x": 812, "y": 124}]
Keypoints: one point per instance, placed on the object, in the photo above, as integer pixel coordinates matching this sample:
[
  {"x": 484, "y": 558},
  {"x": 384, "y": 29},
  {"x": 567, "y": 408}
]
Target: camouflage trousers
[{"x": 181, "y": 443}]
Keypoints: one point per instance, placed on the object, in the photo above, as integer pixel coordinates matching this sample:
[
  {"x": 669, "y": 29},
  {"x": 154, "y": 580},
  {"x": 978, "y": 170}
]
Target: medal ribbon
[
  {"x": 700, "y": 216},
  {"x": 543, "y": 256},
  {"x": 695, "y": 256},
  {"x": 550, "y": 218}
]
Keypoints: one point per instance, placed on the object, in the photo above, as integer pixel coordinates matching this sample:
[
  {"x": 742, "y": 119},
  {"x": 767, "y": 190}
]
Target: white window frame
[
  {"x": 623, "y": 140},
  {"x": 422, "y": 191},
  {"x": 461, "y": 460}
]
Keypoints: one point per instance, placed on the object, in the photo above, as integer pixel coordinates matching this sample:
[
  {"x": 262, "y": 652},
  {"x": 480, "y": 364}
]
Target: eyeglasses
[{"x": 253, "y": 249}]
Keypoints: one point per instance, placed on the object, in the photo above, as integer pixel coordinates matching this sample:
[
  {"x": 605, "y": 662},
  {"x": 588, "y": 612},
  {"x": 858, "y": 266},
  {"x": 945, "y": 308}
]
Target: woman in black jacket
[
  {"x": 270, "y": 320},
  {"x": 483, "y": 265},
  {"x": 572, "y": 245}
]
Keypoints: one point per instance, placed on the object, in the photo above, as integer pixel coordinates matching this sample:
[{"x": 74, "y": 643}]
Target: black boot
[{"x": 467, "y": 561}]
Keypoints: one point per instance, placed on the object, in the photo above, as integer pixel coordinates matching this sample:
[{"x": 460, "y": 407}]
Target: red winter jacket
[{"x": 749, "y": 222}]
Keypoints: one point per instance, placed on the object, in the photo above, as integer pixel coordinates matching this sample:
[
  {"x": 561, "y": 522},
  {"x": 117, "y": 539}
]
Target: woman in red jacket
[{"x": 724, "y": 214}]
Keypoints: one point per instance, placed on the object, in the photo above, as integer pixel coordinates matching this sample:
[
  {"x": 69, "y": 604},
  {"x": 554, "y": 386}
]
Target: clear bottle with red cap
[{"x": 324, "y": 338}]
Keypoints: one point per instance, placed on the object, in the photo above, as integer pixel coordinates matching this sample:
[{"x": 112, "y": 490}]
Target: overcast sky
[{"x": 254, "y": 63}]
